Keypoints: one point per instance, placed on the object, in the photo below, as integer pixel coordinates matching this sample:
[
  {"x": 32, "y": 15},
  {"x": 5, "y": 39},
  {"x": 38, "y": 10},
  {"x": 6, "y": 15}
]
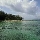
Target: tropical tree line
[{"x": 5, "y": 16}]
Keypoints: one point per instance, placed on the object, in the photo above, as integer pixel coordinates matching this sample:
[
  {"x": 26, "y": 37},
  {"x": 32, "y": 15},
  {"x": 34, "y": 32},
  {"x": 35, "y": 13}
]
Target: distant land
[{"x": 32, "y": 20}]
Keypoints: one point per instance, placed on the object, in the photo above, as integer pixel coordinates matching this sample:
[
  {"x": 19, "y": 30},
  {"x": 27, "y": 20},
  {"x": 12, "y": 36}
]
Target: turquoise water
[{"x": 20, "y": 30}]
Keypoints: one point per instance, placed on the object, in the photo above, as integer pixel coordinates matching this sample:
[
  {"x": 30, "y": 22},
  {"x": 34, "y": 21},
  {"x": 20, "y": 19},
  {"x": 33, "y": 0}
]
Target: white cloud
[
  {"x": 19, "y": 5},
  {"x": 27, "y": 8}
]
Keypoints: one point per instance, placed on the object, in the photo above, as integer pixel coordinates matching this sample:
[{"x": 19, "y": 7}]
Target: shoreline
[
  {"x": 12, "y": 20},
  {"x": 18, "y": 20}
]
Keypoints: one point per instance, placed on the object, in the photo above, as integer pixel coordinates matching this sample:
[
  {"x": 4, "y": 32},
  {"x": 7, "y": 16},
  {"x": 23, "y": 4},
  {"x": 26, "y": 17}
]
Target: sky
[{"x": 28, "y": 9}]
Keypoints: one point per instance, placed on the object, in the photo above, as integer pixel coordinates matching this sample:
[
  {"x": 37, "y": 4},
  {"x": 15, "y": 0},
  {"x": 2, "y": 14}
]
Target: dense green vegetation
[{"x": 5, "y": 16}]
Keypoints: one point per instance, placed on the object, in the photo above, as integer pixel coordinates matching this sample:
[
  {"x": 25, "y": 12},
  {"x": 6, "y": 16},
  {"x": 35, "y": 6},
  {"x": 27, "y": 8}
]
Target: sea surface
[{"x": 20, "y": 30}]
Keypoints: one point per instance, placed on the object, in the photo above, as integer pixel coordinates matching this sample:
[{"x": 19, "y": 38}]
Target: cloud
[{"x": 27, "y": 8}]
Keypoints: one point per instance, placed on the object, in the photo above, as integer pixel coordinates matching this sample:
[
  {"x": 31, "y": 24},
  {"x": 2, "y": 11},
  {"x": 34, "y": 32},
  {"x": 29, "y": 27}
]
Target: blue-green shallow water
[{"x": 20, "y": 30}]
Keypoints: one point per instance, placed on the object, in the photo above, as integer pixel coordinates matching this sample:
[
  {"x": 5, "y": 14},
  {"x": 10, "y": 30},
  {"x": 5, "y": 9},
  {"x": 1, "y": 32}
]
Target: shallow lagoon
[{"x": 20, "y": 30}]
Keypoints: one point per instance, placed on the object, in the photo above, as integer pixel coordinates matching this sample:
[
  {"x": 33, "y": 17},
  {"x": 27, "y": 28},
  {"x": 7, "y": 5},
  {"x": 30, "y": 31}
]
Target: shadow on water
[{"x": 1, "y": 20}]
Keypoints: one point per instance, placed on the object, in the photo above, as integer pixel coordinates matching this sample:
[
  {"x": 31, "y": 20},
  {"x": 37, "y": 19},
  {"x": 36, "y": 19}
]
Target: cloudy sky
[{"x": 28, "y": 9}]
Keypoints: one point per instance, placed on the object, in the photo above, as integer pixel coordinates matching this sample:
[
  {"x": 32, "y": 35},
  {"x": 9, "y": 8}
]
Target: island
[{"x": 6, "y": 16}]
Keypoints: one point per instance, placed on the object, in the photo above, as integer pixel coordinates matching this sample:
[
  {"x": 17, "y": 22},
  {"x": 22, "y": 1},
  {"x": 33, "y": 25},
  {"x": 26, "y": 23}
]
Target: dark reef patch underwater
[{"x": 20, "y": 30}]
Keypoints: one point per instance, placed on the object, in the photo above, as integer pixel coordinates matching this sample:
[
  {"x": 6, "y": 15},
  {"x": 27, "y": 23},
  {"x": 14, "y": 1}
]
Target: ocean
[{"x": 20, "y": 30}]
